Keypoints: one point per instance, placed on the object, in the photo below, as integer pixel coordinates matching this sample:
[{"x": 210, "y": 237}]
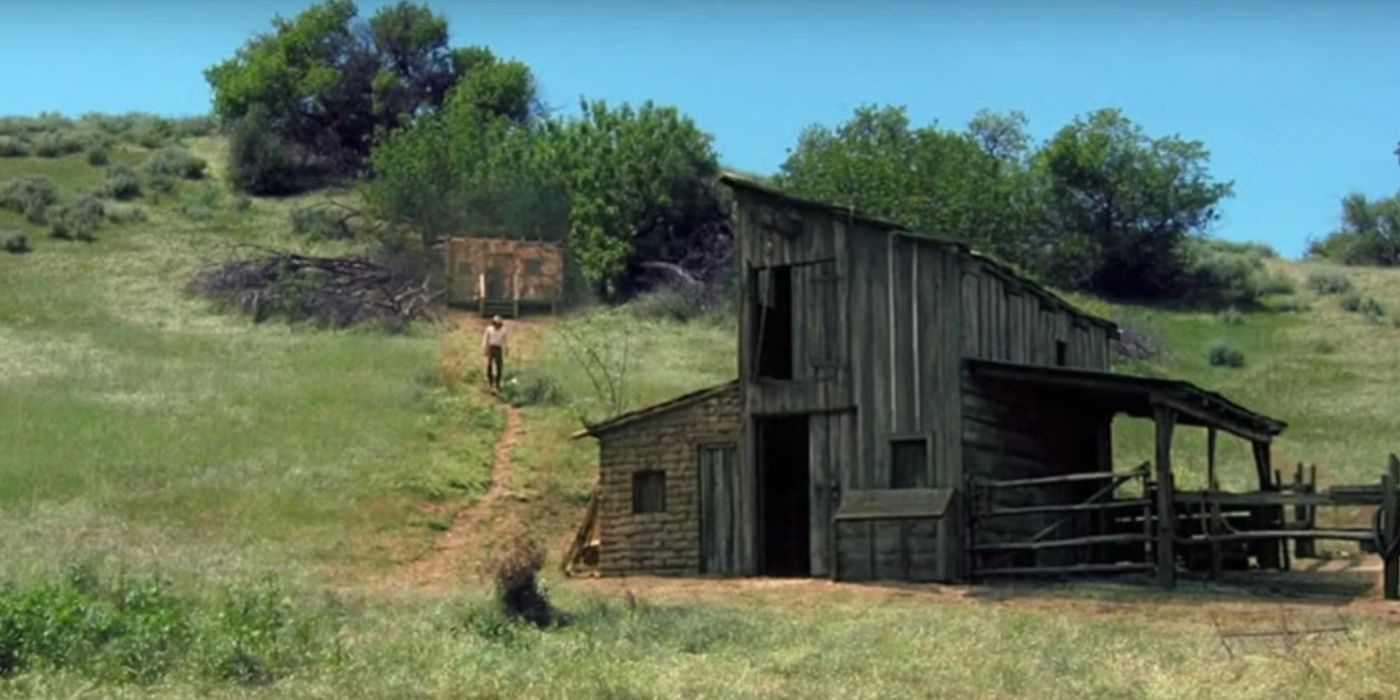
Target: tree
[
  {"x": 325, "y": 83},
  {"x": 1119, "y": 205},
  {"x": 1369, "y": 234},
  {"x": 641, "y": 185},
  {"x": 933, "y": 180}
]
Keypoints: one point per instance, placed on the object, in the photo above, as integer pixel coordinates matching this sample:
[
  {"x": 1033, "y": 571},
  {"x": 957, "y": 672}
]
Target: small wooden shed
[
  {"x": 909, "y": 409},
  {"x": 500, "y": 276}
]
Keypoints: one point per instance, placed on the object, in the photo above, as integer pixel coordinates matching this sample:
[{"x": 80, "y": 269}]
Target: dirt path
[{"x": 442, "y": 566}]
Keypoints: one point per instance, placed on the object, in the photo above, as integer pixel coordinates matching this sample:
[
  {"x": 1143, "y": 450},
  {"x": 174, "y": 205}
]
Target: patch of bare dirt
[{"x": 443, "y": 566}]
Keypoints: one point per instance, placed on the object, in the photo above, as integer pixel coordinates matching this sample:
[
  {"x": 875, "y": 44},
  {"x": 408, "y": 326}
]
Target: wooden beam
[
  {"x": 1118, "y": 568},
  {"x": 1208, "y": 418},
  {"x": 1390, "y": 530},
  {"x": 1165, "y": 418},
  {"x": 1270, "y": 555},
  {"x": 1126, "y": 538}
]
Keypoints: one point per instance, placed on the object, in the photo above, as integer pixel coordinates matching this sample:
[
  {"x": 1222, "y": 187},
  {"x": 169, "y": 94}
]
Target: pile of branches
[
  {"x": 335, "y": 292},
  {"x": 1135, "y": 344}
]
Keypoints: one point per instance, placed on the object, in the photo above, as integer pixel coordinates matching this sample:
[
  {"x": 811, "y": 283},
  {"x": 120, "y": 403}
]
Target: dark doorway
[
  {"x": 784, "y": 525},
  {"x": 772, "y": 319}
]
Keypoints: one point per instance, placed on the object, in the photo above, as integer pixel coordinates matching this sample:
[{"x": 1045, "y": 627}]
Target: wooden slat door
[{"x": 720, "y": 527}]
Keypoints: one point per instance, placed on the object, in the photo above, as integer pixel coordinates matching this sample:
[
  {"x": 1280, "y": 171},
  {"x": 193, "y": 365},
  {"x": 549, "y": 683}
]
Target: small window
[
  {"x": 534, "y": 266},
  {"x": 909, "y": 463},
  {"x": 1061, "y": 353},
  {"x": 649, "y": 491}
]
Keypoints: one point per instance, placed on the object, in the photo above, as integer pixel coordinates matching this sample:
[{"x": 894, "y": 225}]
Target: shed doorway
[{"x": 783, "y": 493}]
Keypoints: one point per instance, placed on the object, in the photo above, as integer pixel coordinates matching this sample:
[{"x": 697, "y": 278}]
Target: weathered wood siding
[
  {"x": 667, "y": 542},
  {"x": 1009, "y": 320},
  {"x": 535, "y": 267},
  {"x": 904, "y": 549},
  {"x": 1011, "y": 435}
]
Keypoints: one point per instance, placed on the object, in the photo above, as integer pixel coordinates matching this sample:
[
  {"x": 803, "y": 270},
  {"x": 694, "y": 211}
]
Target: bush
[
  {"x": 12, "y": 147},
  {"x": 97, "y": 157},
  {"x": 260, "y": 162},
  {"x": 31, "y": 196},
  {"x": 533, "y": 390},
  {"x": 121, "y": 183},
  {"x": 162, "y": 184},
  {"x": 1220, "y": 276},
  {"x": 1223, "y": 353},
  {"x": 56, "y": 144},
  {"x": 176, "y": 162},
  {"x": 77, "y": 220},
  {"x": 319, "y": 223},
  {"x": 1364, "y": 305},
  {"x": 131, "y": 630},
  {"x": 1276, "y": 284},
  {"x": 1329, "y": 283},
  {"x": 200, "y": 204},
  {"x": 14, "y": 241},
  {"x": 118, "y": 214},
  {"x": 514, "y": 570}
]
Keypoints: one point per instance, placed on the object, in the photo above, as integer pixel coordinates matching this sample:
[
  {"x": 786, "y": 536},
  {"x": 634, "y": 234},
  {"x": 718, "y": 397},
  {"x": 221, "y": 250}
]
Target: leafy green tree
[
  {"x": 970, "y": 186},
  {"x": 1119, "y": 206},
  {"x": 325, "y": 84},
  {"x": 641, "y": 182},
  {"x": 1369, "y": 234}
]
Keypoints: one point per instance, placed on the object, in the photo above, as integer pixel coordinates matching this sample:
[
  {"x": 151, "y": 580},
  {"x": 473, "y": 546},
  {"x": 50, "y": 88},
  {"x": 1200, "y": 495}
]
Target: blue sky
[{"x": 1297, "y": 101}]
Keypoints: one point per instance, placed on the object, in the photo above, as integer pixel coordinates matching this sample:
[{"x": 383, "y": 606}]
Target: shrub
[
  {"x": 200, "y": 204},
  {"x": 1276, "y": 284},
  {"x": 1292, "y": 305},
  {"x": 319, "y": 223},
  {"x": 97, "y": 157},
  {"x": 119, "y": 214},
  {"x": 1324, "y": 347},
  {"x": 1231, "y": 317},
  {"x": 262, "y": 163},
  {"x": 1329, "y": 283},
  {"x": 176, "y": 162},
  {"x": 1223, "y": 353},
  {"x": 12, "y": 147},
  {"x": 56, "y": 144},
  {"x": 533, "y": 390},
  {"x": 131, "y": 630},
  {"x": 14, "y": 241},
  {"x": 1219, "y": 276},
  {"x": 1364, "y": 305},
  {"x": 31, "y": 196},
  {"x": 121, "y": 183},
  {"x": 77, "y": 220},
  {"x": 514, "y": 570},
  {"x": 162, "y": 184}
]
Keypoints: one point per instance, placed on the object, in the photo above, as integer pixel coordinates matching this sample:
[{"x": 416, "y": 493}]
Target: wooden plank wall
[
  {"x": 1012, "y": 435},
  {"x": 1008, "y": 321},
  {"x": 889, "y": 550}
]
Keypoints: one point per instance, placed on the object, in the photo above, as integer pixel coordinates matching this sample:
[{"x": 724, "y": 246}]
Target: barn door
[{"x": 719, "y": 510}]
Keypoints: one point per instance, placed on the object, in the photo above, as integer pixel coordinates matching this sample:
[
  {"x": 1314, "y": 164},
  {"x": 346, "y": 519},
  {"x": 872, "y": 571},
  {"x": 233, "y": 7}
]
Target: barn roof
[
  {"x": 1135, "y": 396},
  {"x": 850, "y": 214},
  {"x": 598, "y": 429}
]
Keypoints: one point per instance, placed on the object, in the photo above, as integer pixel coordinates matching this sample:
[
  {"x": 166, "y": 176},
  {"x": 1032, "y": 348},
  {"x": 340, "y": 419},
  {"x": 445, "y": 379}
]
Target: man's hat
[{"x": 495, "y": 319}]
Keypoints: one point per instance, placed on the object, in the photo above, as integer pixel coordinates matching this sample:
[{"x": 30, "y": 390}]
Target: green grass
[{"x": 192, "y": 438}]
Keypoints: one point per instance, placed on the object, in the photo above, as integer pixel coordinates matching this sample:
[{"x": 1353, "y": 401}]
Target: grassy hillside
[
  {"x": 138, "y": 422},
  {"x": 149, "y": 435}
]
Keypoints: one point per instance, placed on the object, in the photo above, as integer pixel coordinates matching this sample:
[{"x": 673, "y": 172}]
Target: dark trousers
[{"x": 495, "y": 359}]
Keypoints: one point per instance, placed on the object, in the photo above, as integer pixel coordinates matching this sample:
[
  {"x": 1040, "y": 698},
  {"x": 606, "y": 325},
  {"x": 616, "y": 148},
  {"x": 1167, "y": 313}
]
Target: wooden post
[
  {"x": 1303, "y": 547},
  {"x": 1268, "y": 551},
  {"x": 1212, "y": 481},
  {"x": 1390, "y": 530},
  {"x": 1166, "y": 498}
]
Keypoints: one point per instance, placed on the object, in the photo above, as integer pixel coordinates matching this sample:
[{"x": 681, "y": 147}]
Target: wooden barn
[
  {"x": 500, "y": 276},
  {"x": 909, "y": 409}
]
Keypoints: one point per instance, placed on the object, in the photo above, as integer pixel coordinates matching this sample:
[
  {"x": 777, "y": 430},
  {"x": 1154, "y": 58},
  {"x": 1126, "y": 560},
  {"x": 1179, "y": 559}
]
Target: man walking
[{"x": 493, "y": 345}]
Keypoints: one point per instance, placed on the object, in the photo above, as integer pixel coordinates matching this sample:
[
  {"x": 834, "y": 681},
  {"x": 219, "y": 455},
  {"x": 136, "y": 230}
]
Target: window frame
[
  {"x": 639, "y": 478},
  {"x": 929, "y": 472}
]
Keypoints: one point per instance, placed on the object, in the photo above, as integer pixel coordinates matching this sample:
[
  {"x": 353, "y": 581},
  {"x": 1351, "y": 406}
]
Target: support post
[
  {"x": 1166, "y": 498},
  {"x": 1390, "y": 530},
  {"x": 1303, "y": 547},
  {"x": 1212, "y": 481},
  {"x": 1269, "y": 550}
]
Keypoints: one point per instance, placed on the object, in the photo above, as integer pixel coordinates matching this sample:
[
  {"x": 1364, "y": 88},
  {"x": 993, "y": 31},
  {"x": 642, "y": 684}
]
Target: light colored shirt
[{"x": 494, "y": 336}]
